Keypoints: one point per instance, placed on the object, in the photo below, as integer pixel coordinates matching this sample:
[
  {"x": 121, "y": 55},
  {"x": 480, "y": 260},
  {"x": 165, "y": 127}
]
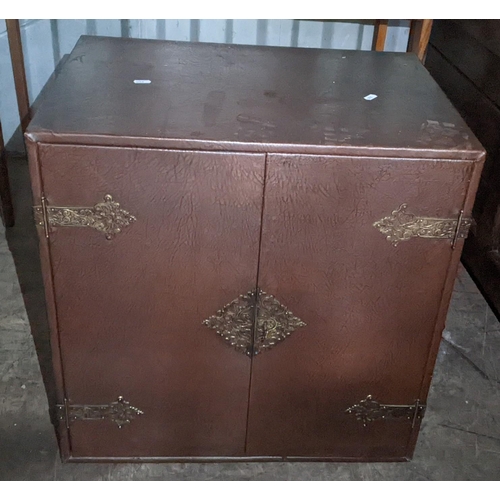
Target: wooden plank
[
  {"x": 467, "y": 99},
  {"x": 469, "y": 55},
  {"x": 16, "y": 54},
  {"x": 420, "y": 32},
  {"x": 485, "y": 31},
  {"x": 379, "y": 34},
  {"x": 6, "y": 206},
  {"x": 481, "y": 254}
]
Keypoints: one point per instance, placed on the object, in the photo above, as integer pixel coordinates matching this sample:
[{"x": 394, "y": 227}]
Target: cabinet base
[{"x": 227, "y": 459}]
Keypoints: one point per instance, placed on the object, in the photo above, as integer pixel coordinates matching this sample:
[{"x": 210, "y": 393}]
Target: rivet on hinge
[{"x": 63, "y": 413}]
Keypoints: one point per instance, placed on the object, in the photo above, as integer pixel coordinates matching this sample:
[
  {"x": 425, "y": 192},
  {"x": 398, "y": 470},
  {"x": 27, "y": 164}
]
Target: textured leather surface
[
  {"x": 246, "y": 97},
  {"x": 370, "y": 307},
  {"x": 130, "y": 310}
]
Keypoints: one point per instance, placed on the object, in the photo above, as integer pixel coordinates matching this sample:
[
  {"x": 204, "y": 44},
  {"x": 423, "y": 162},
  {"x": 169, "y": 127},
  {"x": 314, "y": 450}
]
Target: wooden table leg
[
  {"x": 6, "y": 206},
  {"x": 420, "y": 32},
  {"x": 379, "y": 34}
]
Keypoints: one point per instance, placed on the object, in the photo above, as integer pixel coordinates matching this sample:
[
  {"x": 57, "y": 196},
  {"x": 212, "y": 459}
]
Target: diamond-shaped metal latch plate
[{"x": 254, "y": 322}]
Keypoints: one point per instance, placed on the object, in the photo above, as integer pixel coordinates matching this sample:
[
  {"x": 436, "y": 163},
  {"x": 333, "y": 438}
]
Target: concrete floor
[{"x": 459, "y": 439}]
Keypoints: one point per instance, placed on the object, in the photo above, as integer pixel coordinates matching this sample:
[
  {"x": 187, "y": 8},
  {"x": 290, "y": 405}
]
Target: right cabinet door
[{"x": 370, "y": 308}]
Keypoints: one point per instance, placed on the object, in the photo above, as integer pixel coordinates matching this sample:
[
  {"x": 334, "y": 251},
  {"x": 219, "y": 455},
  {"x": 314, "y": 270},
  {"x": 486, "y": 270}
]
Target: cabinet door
[
  {"x": 129, "y": 310},
  {"x": 370, "y": 308}
]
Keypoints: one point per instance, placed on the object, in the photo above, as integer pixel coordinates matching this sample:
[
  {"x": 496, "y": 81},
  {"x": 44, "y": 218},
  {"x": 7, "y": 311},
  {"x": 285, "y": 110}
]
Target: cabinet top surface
[{"x": 152, "y": 93}]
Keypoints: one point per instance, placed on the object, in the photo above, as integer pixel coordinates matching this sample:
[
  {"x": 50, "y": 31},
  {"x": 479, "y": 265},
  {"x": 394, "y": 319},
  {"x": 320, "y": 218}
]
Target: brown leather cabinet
[{"x": 247, "y": 256}]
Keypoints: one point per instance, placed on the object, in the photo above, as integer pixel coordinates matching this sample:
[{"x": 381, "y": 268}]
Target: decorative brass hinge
[
  {"x": 254, "y": 322},
  {"x": 106, "y": 216},
  {"x": 369, "y": 410},
  {"x": 402, "y": 226},
  {"x": 120, "y": 412}
]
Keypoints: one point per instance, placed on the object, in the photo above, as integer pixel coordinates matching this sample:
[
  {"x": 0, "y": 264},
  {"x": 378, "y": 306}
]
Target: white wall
[{"x": 45, "y": 41}]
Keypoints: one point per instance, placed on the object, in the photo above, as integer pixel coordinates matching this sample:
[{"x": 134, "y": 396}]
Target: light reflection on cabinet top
[{"x": 153, "y": 93}]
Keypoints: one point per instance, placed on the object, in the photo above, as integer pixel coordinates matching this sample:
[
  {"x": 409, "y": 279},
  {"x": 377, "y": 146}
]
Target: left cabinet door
[{"x": 127, "y": 312}]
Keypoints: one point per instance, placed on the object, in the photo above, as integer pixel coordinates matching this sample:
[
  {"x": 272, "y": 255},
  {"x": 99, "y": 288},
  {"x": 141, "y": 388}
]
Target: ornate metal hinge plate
[
  {"x": 402, "y": 226},
  {"x": 254, "y": 322},
  {"x": 106, "y": 216},
  {"x": 369, "y": 410},
  {"x": 120, "y": 412}
]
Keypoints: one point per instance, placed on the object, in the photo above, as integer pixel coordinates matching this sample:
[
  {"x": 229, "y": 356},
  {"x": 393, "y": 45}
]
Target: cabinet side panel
[
  {"x": 370, "y": 308},
  {"x": 46, "y": 266},
  {"x": 446, "y": 297}
]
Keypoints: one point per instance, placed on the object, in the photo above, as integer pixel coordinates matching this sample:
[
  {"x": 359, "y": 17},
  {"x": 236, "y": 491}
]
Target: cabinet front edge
[{"x": 75, "y": 139}]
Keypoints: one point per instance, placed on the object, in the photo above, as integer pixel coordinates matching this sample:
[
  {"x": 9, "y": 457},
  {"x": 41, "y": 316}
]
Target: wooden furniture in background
[
  {"x": 16, "y": 54},
  {"x": 6, "y": 206},
  {"x": 420, "y": 30},
  {"x": 464, "y": 58},
  {"x": 270, "y": 281},
  {"x": 379, "y": 34}
]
